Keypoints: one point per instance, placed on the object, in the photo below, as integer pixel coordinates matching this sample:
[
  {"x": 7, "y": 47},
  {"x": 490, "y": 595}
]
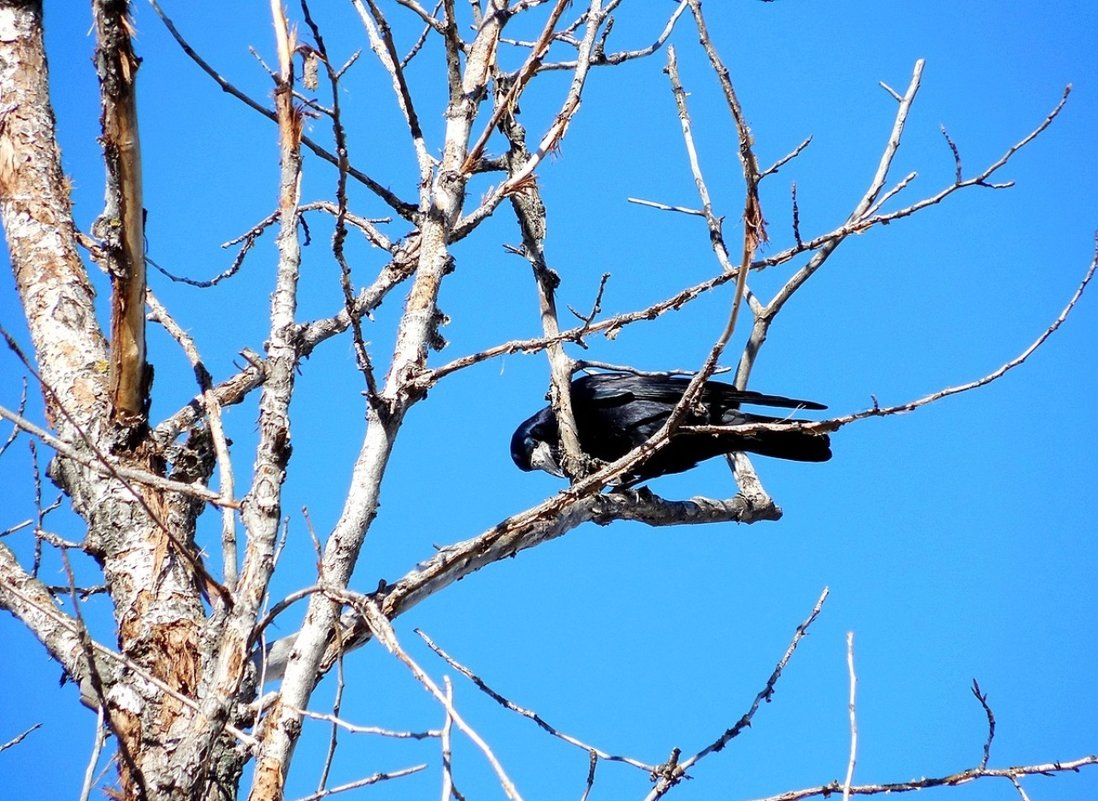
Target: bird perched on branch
[{"x": 616, "y": 412}]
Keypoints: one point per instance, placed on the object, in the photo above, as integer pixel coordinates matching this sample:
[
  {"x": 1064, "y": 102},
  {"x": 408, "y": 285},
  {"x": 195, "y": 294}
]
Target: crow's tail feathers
[
  {"x": 735, "y": 397},
  {"x": 797, "y": 446}
]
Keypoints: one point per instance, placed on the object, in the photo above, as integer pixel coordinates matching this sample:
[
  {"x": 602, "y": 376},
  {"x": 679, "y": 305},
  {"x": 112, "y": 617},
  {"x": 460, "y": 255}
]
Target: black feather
[{"x": 616, "y": 412}]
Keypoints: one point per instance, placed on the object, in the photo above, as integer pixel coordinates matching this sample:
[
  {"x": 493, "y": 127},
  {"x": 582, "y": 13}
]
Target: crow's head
[{"x": 534, "y": 445}]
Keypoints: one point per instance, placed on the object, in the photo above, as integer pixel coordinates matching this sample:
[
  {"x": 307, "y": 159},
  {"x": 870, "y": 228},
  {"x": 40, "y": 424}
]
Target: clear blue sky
[{"x": 958, "y": 541}]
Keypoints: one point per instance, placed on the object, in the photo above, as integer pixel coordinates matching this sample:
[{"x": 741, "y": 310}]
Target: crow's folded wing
[{"x": 614, "y": 389}]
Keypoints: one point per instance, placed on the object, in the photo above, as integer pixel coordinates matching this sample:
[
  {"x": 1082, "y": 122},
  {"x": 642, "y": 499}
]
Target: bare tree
[{"x": 194, "y": 688}]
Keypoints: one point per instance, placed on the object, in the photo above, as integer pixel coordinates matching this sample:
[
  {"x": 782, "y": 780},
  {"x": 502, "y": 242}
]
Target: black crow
[{"x": 616, "y": 412}]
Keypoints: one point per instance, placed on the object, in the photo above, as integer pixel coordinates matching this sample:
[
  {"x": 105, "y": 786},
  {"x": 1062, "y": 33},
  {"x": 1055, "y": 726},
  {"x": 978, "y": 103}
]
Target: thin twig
[
  {"x": 1018, "y": 786},
  {"x": 796, "y": 215},
  {"x": 383, "y": 631},
  {"x": 982, "y": 698},
  {"x": 596, "y": 306},
  {"x": 339, "y": 235},
  {"x": 901, "y": 185},
  {"x": 112, "y": 470},
  {"x": 355, "y": 728},
  {"x": 957, "y": 173},
  {"x": 853, "y": 716},
  {"x": 433, "y": 25},
  {"x": 529, "y": 714},
  {"x": 953, "y": 779},
  {"x": 891, "y": 91},
  {"x": 666, "y": 207},
  {"x": 777, "y": 165},
  {"x": 97, "y": 750},
  {"x": 447, "y": 752},
  {"x": 712, "y": 220},
  {"x": 672, "y": 777},
  {"x": 592, "y": 763},
  {"x": 14, "y": 741},
  {"x": 333, "y": 729},
  {"x": 19, "y": 410},
  {"x": 832, "y": 425},
  {"x": 376, "y": 778}
]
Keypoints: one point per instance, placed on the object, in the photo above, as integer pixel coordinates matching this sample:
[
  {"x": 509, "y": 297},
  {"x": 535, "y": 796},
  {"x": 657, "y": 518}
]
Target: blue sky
[{"x": 957, "y": 541}]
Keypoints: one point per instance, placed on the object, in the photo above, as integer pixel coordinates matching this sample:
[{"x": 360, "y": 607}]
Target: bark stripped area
[{"x": 121, "y": 228}]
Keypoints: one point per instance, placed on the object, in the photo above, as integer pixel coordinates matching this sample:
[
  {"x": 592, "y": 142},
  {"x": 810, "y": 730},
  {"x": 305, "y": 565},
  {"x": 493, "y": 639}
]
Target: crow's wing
[{"x": 614, "y": 389}]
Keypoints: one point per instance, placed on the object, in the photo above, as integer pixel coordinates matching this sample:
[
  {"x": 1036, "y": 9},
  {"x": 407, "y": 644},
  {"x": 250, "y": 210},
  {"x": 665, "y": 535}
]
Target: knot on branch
[
  {"x": 435, "y": 340},
  {"x": 193, "y": 460},
  {"x": 670, "y": 772},
  {"x": 578, "y": 466},
  {"x": 406, "y": 252}
]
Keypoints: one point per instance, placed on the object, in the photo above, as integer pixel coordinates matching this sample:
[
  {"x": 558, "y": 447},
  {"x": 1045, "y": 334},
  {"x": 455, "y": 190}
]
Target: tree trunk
[{"x": 141, "y": 536}]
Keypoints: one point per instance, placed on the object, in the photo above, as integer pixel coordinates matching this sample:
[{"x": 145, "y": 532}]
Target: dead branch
[
  {"x": 528, "y": 713},
  {"x": 14, "y": 741},
  {"x": 381, "y": 42},
  {"x": 382, "y": 630},
  {"x": 261, "y": 509},
  {"x": 982, "y": 698},
  {"x": 106, "y": 467},
  {"x": 952, "y": 780},
  {"x": 366, "y": 782},
  {"x": 995, "y": 375},
  {"x": 355, "y": 728},
  {"x": 548, "y": 520},
  {"x": 852, "y": 761},
  {"x": 676, "y": 772}
]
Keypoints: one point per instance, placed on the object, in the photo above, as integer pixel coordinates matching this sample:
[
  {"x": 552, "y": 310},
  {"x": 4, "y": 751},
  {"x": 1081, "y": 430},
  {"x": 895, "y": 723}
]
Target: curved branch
[{"x": 548, "y": 520}]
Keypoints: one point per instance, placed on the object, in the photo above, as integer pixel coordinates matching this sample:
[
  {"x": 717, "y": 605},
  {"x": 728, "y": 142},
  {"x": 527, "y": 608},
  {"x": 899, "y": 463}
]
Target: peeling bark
[{"x": 121, "y": 227}]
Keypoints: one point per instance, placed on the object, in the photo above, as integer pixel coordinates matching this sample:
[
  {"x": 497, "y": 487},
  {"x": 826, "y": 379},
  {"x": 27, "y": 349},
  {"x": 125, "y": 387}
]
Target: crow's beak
[{"x": 542, "y": 458}]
